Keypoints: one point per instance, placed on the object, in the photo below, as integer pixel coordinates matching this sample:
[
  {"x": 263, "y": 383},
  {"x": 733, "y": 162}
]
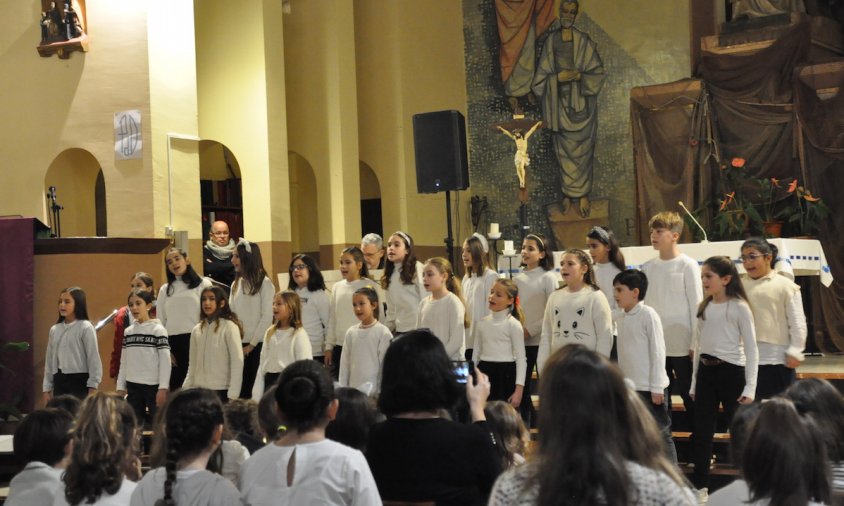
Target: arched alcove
[
  {"x": 221, "y": 188},
  {"x": 370, "y": 201},
  {"x": 304, "y": 219},
  {"x": 76, "y": 174}
]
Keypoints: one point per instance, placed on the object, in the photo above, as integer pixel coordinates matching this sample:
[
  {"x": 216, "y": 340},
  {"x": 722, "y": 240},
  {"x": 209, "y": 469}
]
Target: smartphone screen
[{"x": 463, "y": 369}]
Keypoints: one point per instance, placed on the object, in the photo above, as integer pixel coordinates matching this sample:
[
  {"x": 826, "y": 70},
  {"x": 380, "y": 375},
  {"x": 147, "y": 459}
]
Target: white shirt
[
  {"x": 641, "y": 349},
  {"x": 581, "y": 317},
  {"x": 255, "y": 312},
  {"x": 403, "y": 300},
  {"x": 341, "y": 314},
  {"x": 72, "y": 347},
  {"x": 738, "y": 493},
  {"x": 363, "y": 356},
  {"x": 216, "y": 357},
  {"x": 281, "y": 348},
  {"x": 777, "y": 317},
  {"x": 145, "y": 357},
  {"x": 726, "y": 332},
  {"x": 120, "y": 498},
  {"x": 476, "y": 293},
  {"x": 179, "y": 312},
  {"x": 535, "y": 286},
  {"x": 326, "y": 472},
  {"x": 501, "y": 338},
  {"x": 35, "y": 484},
  {"x": 604, "y": 275},
  {"x": 445, "y": 319},
  {"x": 315, "y": 315},
  {"x": 674, "y": 291},
  {"x": 192, "y": 488}
]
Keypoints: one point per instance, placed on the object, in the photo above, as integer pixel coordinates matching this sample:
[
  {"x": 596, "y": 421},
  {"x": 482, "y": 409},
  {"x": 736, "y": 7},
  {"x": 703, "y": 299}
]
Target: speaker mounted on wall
[{"x": 439, "y": 140}]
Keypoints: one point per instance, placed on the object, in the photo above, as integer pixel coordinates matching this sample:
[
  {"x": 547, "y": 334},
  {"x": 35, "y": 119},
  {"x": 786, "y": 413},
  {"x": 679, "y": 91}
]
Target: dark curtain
[
  {"x": 822, "y": 126},
  {"x": 672, "y": 138},
  {"x": 16, "y": 309}
]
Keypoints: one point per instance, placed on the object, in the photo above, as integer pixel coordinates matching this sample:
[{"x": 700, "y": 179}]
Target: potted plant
[
  {"x": 736, "y": 214},
  {"x": 10, "y": 415},
  {"x": 804, "y": 210},
  {"x": 770, "y": 192}
]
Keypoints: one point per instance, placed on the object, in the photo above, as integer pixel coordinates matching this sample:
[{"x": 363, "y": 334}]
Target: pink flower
[
  {"x": 792, "y": 186},
  {"x": 738, "y": 162}
]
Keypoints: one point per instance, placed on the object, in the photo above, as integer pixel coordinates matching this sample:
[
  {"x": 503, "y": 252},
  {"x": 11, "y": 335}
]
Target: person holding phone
[{"x": 405, "y": 452}]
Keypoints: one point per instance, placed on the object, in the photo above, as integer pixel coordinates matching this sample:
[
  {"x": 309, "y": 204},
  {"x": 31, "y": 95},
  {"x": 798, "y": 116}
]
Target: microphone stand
[
  {"x": 56, "y": 212},
  {"x": 690, "y": 215}
]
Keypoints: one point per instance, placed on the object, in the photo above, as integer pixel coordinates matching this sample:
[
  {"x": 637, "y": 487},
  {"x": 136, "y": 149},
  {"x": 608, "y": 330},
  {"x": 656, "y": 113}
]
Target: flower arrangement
[
  {"x": 804, "y": 210},
  {"x": 736, "y": 214}
]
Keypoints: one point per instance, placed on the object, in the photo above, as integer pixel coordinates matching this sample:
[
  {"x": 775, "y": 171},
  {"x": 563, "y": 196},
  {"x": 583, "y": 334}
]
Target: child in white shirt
[
  {"x": 641, "y": 350},
  {"x": 365, "y": 345}
]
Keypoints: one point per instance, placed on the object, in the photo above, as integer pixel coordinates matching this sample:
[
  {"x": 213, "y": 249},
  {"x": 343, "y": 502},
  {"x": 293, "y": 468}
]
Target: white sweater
[
  {"x": 727, "y": 332},
  {"x": 145, "y": 357},
  {"x": 444, "y": 318},
  {"x": 341, "y": 314},
  {"x": 255, "y": 312},
  {"x": 316, "y": 308},
  {"x": 403, "y": 300},
  {"x": 476, "y": 292},
  {"x": 72, "y": 347},
  {"x": 777, "y": 317},
  {"x": 604, "y": 275},
  {"x": 281, "y": 348},
  {"x": 192, "y": 488},
  {"x": 501, "y": 338},
  {"x": 535, "y": 286},
  {"x": 674, "y": 291},
  {"x": 581, "y": 317},
  {"x": 326, "y": 472},
  {"x": 363, "y": 356},
  {"x": 179, "y": 312},
  {"x": 641, "y": 349},
  {"x": 216, "y": 357}
]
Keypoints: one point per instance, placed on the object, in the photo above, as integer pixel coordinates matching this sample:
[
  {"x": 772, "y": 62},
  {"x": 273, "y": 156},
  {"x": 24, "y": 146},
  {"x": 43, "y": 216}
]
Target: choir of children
[{"x": 705, "y": 334}]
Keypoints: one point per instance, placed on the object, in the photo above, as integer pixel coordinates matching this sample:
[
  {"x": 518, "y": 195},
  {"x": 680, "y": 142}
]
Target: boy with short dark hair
[
  {"x": 675, "y": 293},
  {"x": 641, "y": 349},
  {"x": 42, "y": 442}
]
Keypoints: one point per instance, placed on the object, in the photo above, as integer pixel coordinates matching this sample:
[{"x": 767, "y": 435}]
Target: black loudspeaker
[{"x": 439, "y": 140}]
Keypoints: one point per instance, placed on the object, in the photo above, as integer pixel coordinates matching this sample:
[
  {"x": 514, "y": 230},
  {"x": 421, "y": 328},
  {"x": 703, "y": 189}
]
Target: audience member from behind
[
  {"x": 417, "y": 454},
  {"x": 784, "y": 461},
  {"x": 268, "y": 417},
  {"x": 242, "y": 421},
  {"x": 818, "y": 398},
  {"x": 66, "y": 402},
  {"x": 104, "y": 460},
  {"x": 193, "y": 428},
  {"x": 355, "y": 416},
  {"x": 510, "y": 433},
  {"x": 42, "y": 444},
  {"x": 743, "y": 423},
  {"x": 592, "y": 449},
  {"x": 303, "y": 467}
]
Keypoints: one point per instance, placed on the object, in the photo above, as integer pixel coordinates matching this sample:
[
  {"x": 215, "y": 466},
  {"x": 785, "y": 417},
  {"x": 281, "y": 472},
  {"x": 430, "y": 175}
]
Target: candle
[
  {"x": 493, "y": 229},
  {"x": 508, "y": 246}
]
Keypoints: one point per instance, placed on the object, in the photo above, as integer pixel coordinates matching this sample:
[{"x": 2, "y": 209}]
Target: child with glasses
[{"x": 778, "y": 317}]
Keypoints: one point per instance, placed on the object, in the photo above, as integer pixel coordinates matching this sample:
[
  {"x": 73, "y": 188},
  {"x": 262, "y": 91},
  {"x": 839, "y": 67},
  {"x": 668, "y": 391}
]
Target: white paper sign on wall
[{"x": 128, "y": 143}]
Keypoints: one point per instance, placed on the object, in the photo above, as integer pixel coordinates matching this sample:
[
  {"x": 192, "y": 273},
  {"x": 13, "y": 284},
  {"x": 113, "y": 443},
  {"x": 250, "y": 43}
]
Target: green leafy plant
[
  {"x": 734, "y": 212},
  {"x": 804, "y": 210}
]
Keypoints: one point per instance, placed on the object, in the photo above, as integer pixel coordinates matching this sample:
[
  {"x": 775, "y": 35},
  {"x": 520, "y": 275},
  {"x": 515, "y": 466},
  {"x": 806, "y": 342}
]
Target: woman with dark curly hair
[
  {"x": 104, "y": 459},
  {"x": 193, "y": 429}
]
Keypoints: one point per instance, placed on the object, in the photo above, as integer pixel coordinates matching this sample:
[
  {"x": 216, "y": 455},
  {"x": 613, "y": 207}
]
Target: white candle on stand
[
  {"x": 508, "y": 246},
  {"x": 493, "y": 229}
]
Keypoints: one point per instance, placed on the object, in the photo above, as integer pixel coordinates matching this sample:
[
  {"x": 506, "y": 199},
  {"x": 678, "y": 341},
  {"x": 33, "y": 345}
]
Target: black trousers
[
  {"x": 468, "y": 354},
  {"x": 716, "y": 385},
  {"x": 663, "y": 421},
  {"x": 250, "y": 370},
  {"x": 336, "y": 355},
  {"x": 180, "y": 349},
  {"x": 75, "y": 384},
  {"x": 773, "y": 380},
  {"x": 679, "y": 370},
  {"x": 271, "y": 379},
  {"x": 142, "y": 398},
  {"x": 502, "y": 379},
  {"x": 526, "y": 407}
]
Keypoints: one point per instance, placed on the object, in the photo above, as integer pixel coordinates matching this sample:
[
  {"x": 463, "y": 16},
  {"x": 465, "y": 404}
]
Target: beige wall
[
  {"x": 74, "y": 174},
  {"x": 304, "y": 212},
  {"x": 409, "y": 61},
  {"x": 50, "y": 105}
]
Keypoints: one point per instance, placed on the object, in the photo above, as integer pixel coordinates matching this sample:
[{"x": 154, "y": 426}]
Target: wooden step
[{"x": 685, "y": 437}]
